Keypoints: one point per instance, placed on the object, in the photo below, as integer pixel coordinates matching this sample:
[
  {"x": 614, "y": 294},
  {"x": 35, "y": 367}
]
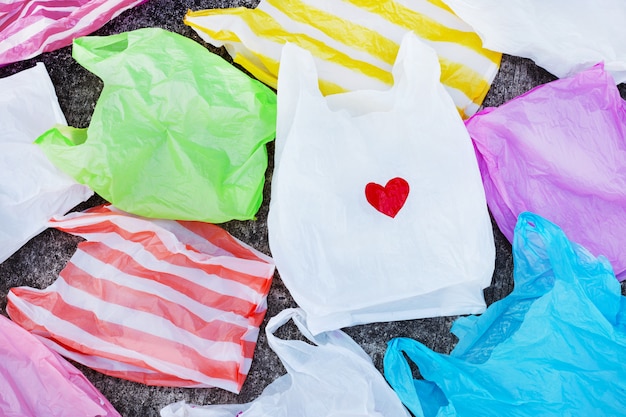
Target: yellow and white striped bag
[{"x": 354, "y": 42}]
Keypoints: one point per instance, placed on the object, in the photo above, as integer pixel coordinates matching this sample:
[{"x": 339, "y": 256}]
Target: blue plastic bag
[{"x": 553, "y": 347}]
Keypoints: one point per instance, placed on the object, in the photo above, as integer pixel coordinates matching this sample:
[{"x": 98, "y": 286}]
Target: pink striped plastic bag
[
  {"x": 35, "y": 381},
  {"x": 28, "y": 28},
  {"x": 154, "y": 301}
]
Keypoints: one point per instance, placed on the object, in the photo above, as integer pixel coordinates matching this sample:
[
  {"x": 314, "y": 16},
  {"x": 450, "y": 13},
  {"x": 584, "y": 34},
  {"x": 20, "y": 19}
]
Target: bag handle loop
[
  {"x": 400, "y": 376},
  {"x": 290, "y": 351}
]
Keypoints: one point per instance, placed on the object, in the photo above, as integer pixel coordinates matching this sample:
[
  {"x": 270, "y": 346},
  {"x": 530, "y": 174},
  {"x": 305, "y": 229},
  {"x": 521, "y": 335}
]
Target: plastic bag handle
[
  {"x": 284, "y": 348},
  {"x": 95, "y": 52},
  {"x": 297, "y": 82},
  {"x": 299, "y": 318},
  {"x": 398, "y": 372},
  {"x": 91, "y": 51}
]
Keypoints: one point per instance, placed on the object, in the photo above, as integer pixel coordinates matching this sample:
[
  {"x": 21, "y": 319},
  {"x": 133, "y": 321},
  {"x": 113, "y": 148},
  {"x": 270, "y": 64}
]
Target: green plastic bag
[{"x": 177, "y": 132}]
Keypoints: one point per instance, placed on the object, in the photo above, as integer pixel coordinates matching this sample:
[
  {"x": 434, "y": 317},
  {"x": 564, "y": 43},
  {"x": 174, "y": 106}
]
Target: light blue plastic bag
[{"x": 554, "y": 347}]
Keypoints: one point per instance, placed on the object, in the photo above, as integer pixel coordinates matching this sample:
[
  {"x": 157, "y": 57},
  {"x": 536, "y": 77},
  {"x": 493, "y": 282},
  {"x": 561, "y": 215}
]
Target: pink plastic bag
[
  {"x": 560, "y": 151},
  {"x": 158, "y": 302},
  {"x": 28, "y": 28},
  {"x": 35, "y": 382}
]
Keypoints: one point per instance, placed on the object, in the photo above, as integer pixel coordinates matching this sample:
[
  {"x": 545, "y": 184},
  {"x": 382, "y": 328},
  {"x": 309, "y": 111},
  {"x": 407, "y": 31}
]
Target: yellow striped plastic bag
[{"x": 354, "y": 42}]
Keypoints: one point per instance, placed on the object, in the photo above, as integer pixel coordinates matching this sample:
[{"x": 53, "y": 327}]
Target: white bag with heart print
[{"x": 377, "y": 210}]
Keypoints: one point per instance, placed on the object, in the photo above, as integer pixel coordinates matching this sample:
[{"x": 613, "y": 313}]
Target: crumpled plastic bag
[
  {"x": 553, "y": 347},
  {"x": 29, "y": 28},
  {"x": 32, "y": 189},
  {"x": 562, "y": 38},
  {"x": 177, "y": 133},
  {"x": 560, "y": 151},
  {"x": 158, "y": 302},
  {"x": 377, "y": 210},
  {"x": 35, "y": 381},
  {"x": 354, "y": 43},
  {"x": 331, "y": 376}
]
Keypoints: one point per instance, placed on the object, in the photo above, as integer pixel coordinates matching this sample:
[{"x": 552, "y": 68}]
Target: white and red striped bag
[
  {"x": 28, "y": 28},
  {"x": 160, "y": 302}
]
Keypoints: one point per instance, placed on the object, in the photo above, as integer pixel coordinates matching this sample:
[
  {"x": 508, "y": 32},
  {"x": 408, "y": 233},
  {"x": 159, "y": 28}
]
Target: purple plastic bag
[
  {"x": 560, "y": 151},
  {"x": 35, "y": 381}
]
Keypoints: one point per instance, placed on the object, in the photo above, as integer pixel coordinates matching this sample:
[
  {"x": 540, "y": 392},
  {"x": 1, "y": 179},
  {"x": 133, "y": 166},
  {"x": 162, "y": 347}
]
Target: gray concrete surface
[{"x": 38, "y": 263}]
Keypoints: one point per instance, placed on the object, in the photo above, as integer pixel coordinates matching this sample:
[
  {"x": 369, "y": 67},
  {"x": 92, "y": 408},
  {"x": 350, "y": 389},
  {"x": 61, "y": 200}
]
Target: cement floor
[{"x": 38, "y": 263}]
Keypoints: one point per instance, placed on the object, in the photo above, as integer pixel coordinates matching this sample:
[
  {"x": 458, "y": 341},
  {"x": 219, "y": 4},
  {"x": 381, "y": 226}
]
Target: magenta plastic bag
[
  {"x": 34, "y": 381},
  {"x": 560, "y": 151},
  {"x": 29, "y": 28}
]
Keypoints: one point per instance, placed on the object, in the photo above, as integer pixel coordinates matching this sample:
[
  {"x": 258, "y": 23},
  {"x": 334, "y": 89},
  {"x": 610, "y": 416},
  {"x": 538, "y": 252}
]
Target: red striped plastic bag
[
  {"x": 154, "y": 301},
  {"x": 28, "y": 28}
]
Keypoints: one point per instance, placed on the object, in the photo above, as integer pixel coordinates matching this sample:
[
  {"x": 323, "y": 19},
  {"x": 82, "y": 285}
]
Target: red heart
[{"x": 390, "y": 198}]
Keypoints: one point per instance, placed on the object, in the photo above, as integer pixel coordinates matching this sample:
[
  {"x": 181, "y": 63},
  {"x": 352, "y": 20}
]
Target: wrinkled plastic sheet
[
  {"x": 553, "y": 347},
  {"x": 35, "y": 381},
  {"x": 560, "y": 151},
  {"x": 28, "y": 28},
  {"x": 177, "y": 132}
]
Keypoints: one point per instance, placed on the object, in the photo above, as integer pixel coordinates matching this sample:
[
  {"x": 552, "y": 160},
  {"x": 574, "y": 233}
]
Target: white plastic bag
[
  {"x": 333, "y": 377},
  {"x": 344, "y": 261},
  {"x": 562, "y": 37},
  {"x": 32, "y": 189}
]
